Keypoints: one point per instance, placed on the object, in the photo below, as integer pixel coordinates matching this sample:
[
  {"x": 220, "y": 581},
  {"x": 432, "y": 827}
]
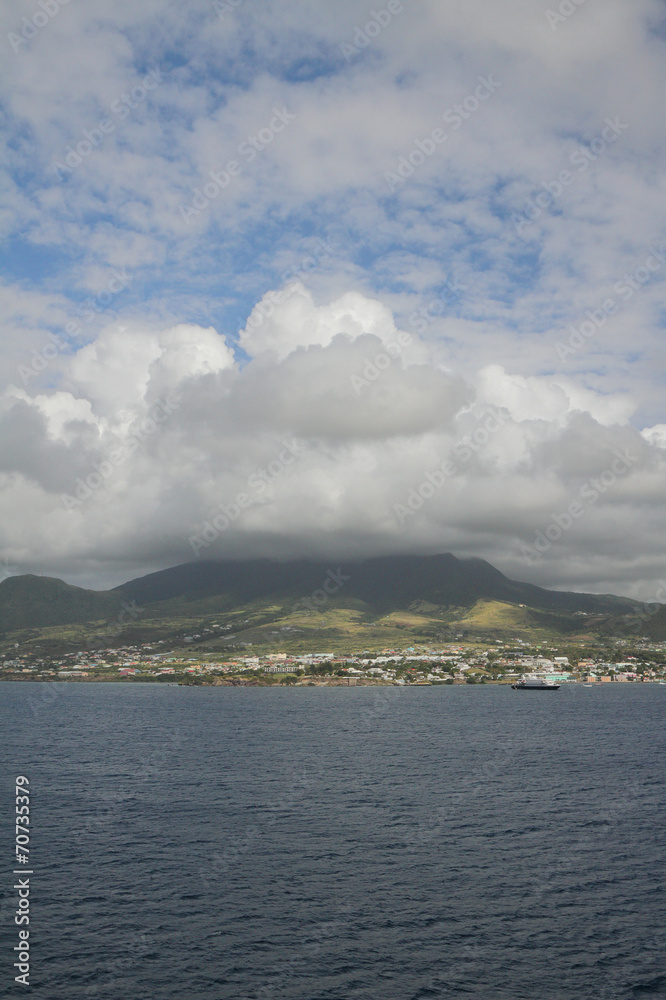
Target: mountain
[
  {"x": 384, "y": 584},
  {"x": 427, "y": 585},
  {"x": 38, "y": 601}
]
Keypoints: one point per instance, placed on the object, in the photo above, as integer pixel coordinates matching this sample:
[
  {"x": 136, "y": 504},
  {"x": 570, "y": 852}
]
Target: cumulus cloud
[
  {"x": 551, "y": 398},
  {"x": 655, "y": 435},
  {"x": 333, "y": 444},
  {"x": 127, "y": 365},
  {"x": 299, "y": 323}
]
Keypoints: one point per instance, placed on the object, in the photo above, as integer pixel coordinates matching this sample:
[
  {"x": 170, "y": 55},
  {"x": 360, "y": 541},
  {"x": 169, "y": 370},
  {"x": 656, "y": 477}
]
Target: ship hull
[{"x": 535, "y": 687}]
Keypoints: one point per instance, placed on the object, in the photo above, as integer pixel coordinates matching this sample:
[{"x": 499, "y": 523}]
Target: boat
[{"x": 534, "y": 684}]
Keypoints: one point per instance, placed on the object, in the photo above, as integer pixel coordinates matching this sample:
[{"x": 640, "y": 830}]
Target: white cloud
[
  {"x": 288, "y": 318},
  {"x": 550, "y": 398},
  {"x": 655, "y": 435},
  {"x": 125, "y": 366},
  {"x": 60, "y": 410},
  {"x": 519, "y": 449}
]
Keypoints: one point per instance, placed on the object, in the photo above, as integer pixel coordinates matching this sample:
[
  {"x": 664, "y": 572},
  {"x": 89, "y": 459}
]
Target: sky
[{"x": 334, "y": 280}]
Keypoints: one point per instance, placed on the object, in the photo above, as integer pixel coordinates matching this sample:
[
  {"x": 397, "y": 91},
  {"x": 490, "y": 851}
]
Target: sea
[{"x": 342, "y": 843}]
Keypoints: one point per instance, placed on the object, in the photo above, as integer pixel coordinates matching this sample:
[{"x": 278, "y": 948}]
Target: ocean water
[{"x": 338, "y": 844}]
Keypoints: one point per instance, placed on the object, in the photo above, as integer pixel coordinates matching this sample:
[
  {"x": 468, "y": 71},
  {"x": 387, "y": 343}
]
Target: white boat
[{"x": 531, "y": 683}]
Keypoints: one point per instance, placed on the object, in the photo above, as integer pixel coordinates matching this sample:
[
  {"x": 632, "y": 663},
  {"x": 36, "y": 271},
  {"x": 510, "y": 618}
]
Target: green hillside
[
  {"x": 655, "y": 627},
  {"x": 37, "y": 601},
  {"x": 382, "y": 602}
]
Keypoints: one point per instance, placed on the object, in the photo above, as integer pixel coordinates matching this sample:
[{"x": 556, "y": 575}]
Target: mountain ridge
[
  {"x": 384, "y": 584},
  {"x": 31, "y": 601}
]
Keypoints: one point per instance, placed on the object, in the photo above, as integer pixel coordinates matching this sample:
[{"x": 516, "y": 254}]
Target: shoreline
[{"x": 337, "y": 682}]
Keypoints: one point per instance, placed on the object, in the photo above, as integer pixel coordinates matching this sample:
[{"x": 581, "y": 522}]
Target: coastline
[{"x": 332, "y": 682}]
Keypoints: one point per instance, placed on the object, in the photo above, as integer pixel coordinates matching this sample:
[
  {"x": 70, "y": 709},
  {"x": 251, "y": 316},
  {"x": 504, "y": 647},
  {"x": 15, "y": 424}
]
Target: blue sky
[{"x": 483, "y": 177}]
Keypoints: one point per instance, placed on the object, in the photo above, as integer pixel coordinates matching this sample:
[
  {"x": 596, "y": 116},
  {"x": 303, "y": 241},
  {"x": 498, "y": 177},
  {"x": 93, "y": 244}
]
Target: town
[{"x": 617, "y": 661}]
